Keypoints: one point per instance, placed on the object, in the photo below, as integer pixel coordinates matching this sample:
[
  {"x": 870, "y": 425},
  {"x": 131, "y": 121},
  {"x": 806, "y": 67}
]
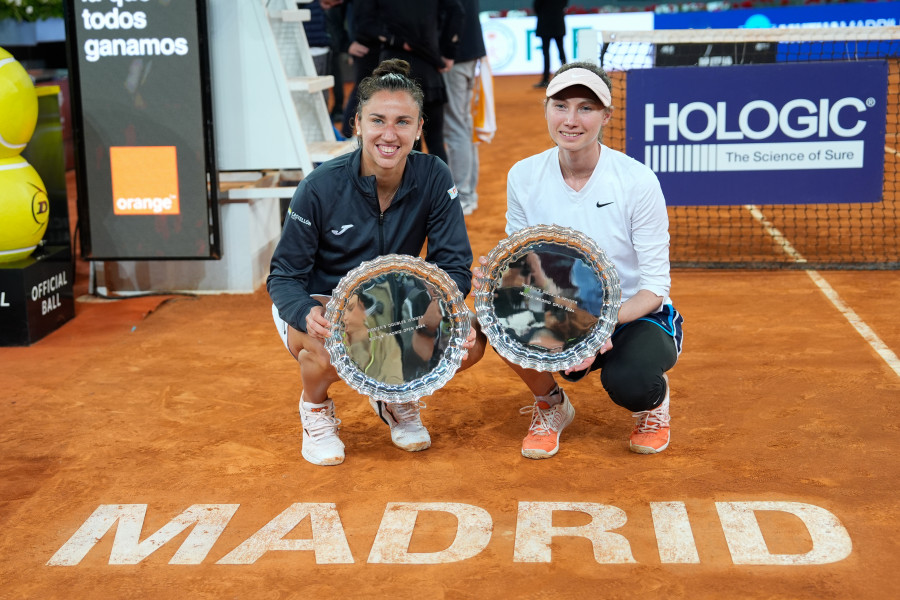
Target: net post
[{"x": 588, "y": 44}]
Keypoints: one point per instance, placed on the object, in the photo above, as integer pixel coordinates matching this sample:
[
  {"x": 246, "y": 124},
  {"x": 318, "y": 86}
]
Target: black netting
[{"x": 820, "y": 236}]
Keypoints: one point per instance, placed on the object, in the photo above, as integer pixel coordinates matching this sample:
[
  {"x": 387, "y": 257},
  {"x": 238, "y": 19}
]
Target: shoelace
[
  {"x": 407, "y": 411},
  {"x": 543, "y": 421},
  {"x": 319, "y": 422},
  {"x": 651, "y": 420}
]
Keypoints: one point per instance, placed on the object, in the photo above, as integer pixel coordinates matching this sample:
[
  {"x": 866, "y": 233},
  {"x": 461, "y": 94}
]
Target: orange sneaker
[
  {"x": 651, "y": 429},
  {"x": 547, "y": 423}
]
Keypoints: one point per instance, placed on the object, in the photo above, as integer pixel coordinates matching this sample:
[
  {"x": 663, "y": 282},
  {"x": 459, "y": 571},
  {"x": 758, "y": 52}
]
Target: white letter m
[{"x": 209, "y": 520}]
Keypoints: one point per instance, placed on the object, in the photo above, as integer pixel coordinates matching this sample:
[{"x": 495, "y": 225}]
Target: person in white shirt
[{"x": 617, "y": 201}]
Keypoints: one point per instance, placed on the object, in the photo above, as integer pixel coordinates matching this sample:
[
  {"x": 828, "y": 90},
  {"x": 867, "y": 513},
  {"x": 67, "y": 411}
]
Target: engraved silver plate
[
  {"x": 550, "y": 298},
  {"x": 397, "y": 328}
]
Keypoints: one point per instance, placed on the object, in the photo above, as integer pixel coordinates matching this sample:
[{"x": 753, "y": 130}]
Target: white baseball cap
[{"x": 580, "y": 76}]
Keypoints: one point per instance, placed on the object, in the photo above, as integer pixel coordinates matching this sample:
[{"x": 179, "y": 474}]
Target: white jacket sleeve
[{"x": 650, "y": 235}]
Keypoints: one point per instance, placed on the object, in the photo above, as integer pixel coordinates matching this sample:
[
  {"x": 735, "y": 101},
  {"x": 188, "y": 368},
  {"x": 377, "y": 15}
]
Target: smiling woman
[
  {"x": 382, "y": 199},
  {"x": 388, "y": 122},
  {"x": 617, "y": 202}
]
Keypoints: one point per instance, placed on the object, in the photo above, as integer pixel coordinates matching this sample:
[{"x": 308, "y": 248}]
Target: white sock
[
  {"x": 312, "y": 406},
  {"x": 553, "y": 398}
]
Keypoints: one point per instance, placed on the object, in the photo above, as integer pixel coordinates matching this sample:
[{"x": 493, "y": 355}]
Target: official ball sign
[{"x": 761, "y": 134}]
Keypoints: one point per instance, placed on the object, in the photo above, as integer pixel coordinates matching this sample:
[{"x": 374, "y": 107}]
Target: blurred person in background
[
  {"x": 551, "y": 26},
  {"x": 462, "y": 151},
  {"x": 424, "y": 33},
  {"x": 336, "y": 26},
  {"x": 363, "y": 54},
  {"x": 320, "y": 43}
]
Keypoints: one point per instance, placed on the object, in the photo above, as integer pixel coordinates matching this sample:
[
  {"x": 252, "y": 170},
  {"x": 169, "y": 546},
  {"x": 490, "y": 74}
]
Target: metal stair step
[
  {"x": 317, "y": 83},
  {"x": 320, "y": 152},
  {"x": 300, "y": 15}
]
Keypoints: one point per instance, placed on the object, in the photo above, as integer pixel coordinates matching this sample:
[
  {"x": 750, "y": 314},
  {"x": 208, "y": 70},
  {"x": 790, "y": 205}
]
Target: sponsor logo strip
[{"x": 144, "y": 180}]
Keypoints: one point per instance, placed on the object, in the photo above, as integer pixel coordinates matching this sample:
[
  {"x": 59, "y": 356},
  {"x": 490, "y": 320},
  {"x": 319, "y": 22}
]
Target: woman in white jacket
[{"x": 617, "y": 201}]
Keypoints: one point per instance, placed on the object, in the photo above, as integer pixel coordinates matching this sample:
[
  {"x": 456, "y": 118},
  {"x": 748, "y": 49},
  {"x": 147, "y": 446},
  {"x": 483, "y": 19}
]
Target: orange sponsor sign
[{"x": 144, "y": 180}]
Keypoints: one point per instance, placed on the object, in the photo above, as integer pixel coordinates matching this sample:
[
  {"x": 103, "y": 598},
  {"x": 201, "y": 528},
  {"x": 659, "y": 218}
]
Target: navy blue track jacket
[{"x": 334, "y": 224}]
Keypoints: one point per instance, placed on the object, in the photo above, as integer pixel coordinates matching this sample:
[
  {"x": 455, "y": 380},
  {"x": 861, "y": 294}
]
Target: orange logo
[{"x": 144, "y": 180}]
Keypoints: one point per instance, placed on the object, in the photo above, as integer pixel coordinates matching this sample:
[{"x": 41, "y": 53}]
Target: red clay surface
[{"x": 168, "y": 404}]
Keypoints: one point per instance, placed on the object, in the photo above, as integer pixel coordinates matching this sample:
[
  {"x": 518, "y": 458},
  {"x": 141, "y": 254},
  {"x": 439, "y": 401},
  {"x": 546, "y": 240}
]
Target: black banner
[{"x": 142, "y": 125}]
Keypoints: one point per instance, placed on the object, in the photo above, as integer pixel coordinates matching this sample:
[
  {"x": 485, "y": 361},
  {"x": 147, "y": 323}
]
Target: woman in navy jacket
[{"x": 383, "y": 198}]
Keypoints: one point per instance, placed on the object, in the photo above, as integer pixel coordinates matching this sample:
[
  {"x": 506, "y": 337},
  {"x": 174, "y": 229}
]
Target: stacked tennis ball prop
[{"x": 24, "y": 207}]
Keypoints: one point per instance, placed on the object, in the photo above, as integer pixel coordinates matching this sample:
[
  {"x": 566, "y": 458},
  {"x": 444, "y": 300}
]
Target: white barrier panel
[{"x": 513, "y": 49}]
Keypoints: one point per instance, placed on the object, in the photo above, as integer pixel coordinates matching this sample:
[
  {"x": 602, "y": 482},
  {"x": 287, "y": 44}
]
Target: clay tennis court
[{"x": 781, "y": 480}]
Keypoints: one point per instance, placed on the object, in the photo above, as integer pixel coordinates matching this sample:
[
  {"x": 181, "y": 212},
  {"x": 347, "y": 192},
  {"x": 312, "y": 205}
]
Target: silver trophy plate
[
  {"x": 397, "y": 328},
  {"x": 550, "y": 298}
]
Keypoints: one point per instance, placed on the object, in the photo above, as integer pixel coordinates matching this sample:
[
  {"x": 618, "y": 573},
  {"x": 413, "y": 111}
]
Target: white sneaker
[
  {"x": 407, "y": 431},
  {"x": 321, "y": 444}
]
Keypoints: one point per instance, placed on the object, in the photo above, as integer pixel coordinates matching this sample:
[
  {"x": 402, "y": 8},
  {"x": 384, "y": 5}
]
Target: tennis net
[{"x": 836, "y": 234}]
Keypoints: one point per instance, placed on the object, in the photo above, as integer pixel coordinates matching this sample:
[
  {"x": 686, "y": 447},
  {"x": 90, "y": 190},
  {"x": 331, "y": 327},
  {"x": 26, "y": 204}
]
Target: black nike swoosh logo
[{"x": 604, "y": 204}]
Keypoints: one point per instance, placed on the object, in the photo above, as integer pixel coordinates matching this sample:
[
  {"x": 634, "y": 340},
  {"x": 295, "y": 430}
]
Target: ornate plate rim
[
  {"x": 424, "y": 385},
  {"x": 513, "y": 247}
]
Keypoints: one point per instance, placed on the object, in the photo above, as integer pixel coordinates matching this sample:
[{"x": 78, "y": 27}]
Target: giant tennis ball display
[
  {"x": 18, "y": 106},
  {"x": 24, "y": 208}
]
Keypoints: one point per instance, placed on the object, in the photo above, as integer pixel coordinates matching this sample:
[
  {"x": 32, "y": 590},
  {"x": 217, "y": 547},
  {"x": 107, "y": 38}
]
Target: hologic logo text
[
  {"x": 798, "y": 119},
  {"x": 704, "y": 127}
]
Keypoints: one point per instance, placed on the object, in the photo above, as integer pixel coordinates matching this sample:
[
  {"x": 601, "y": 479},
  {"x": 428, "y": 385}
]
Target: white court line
[
  {"x": 776, "y": 235},
  {"x": 864, "y": 330},
  {"x": 861, "y": 327}
]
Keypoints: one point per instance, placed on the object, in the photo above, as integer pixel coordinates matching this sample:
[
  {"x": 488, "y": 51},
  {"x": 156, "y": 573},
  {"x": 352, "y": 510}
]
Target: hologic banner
[{"x": 761, "y": 134}]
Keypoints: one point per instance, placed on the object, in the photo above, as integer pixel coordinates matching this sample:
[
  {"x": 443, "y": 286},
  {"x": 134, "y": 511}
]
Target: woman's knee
[
  {"x": 316, "y": 367},
  {"x": 311, "y": 359},
  {"x": 634, "y": 389}
]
